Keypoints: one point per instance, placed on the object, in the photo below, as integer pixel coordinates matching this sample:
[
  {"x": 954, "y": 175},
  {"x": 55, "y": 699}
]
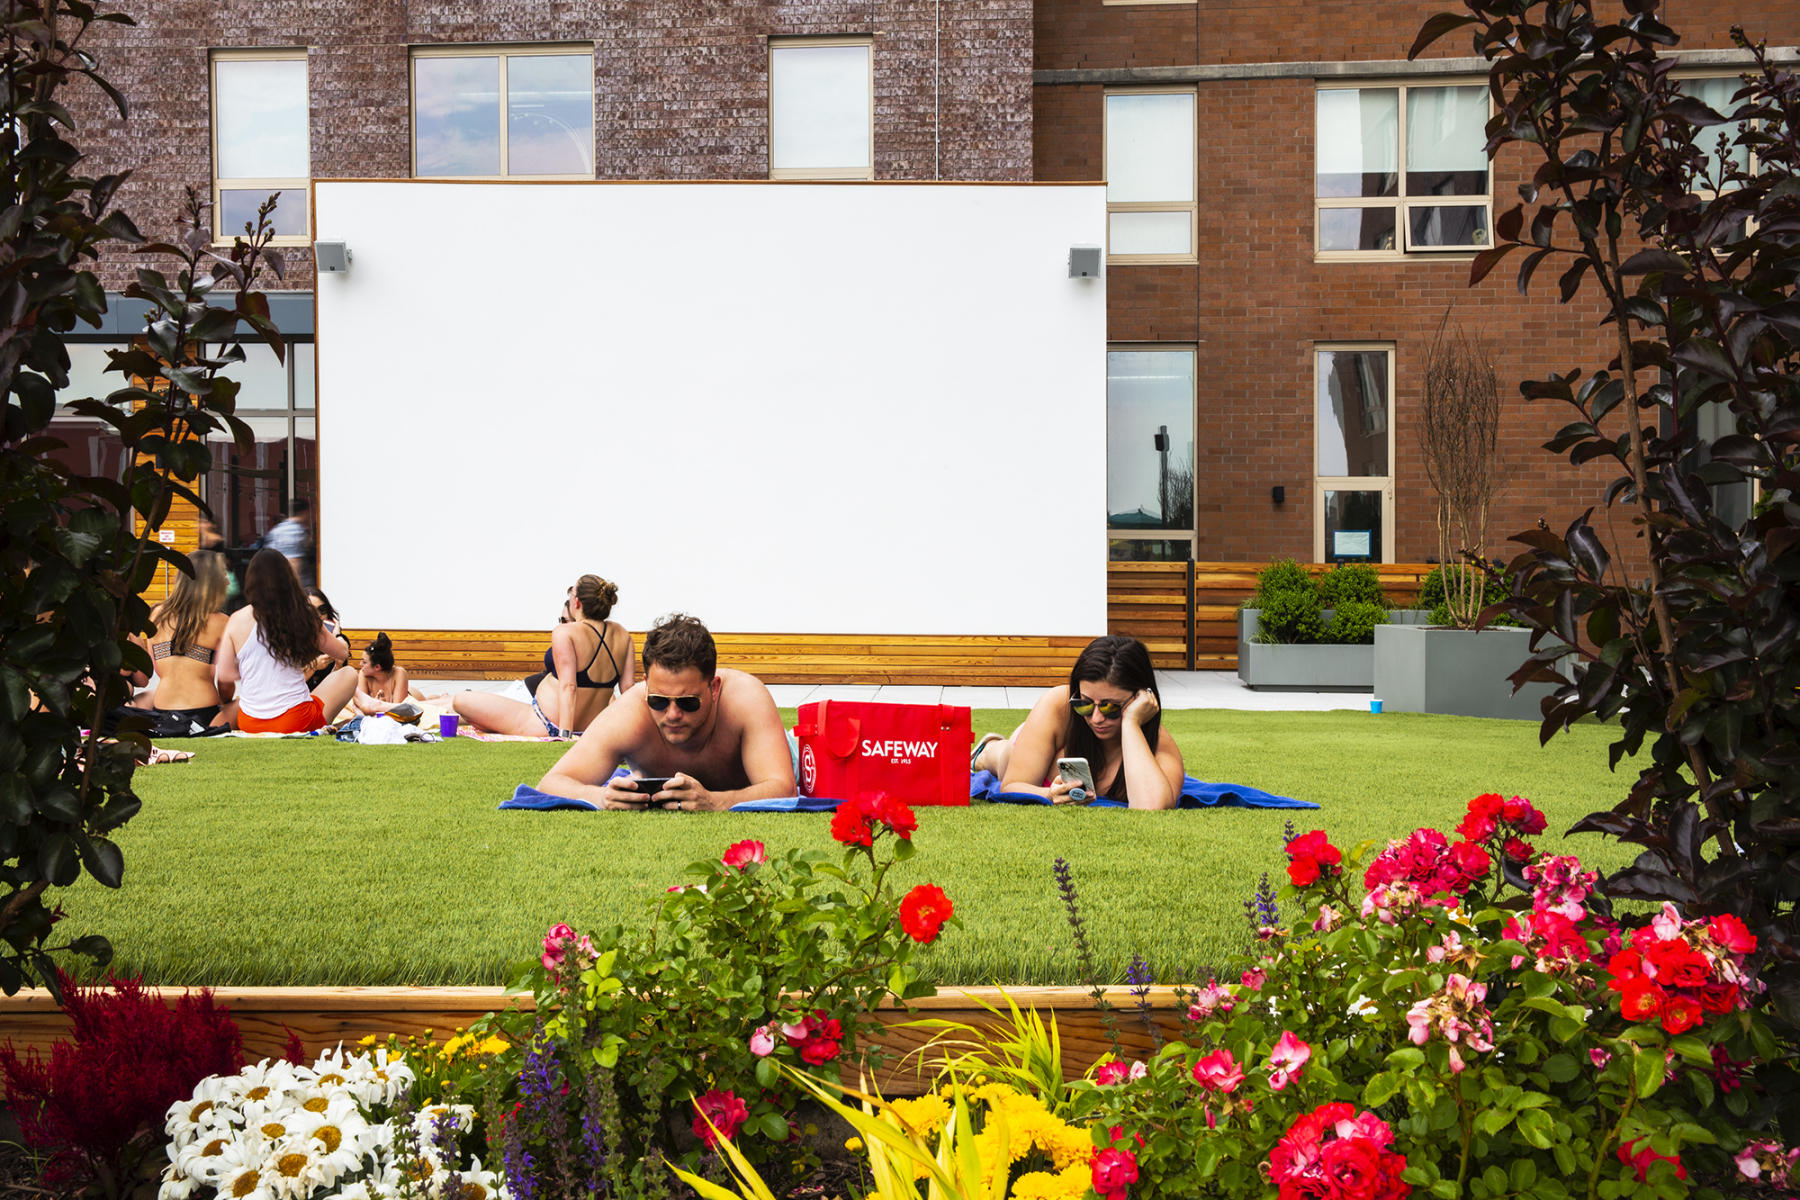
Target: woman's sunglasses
[
  {"x": 1083, "y": 706},
  {"x": 686, "y": 704}
]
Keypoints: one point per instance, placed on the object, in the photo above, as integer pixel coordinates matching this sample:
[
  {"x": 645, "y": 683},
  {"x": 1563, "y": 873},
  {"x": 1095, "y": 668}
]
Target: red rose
[
  {"x": 923, "y": 912},
  {"x": 894, "y": 814},
  {"x": 1641, "y": 999},
  {"x": 1719, "y": 997},
  {"x": 741, "y": 854},
  {"x": 1640, "y": 1160},
  {"x": 1679, "y": 965},
  {"x": 819, "y": 1051},
  {"x": 726, "y": 1112},
  {"x": 1470, "y": 861},
  {"x": 1311, "y": 855},
  {"x": 1730, "y": 933},
  {"x": 1624, "y": 966},
  {"x": 1518, "y": 851},
  {"x": 1680, "y": 1014},
  {"x": 1112, "y": 1172},
  {"x": 851, "y": 825}
]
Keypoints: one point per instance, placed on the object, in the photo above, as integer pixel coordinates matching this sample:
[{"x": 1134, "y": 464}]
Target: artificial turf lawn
[{"x": 317, "y": 862}]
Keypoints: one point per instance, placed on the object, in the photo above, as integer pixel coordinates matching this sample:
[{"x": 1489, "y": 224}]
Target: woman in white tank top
[{"x": 267, "y": 648}]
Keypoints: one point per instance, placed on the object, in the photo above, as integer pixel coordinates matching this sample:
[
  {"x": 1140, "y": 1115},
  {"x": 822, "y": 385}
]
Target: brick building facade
[{"x": 1261, "y": 316}]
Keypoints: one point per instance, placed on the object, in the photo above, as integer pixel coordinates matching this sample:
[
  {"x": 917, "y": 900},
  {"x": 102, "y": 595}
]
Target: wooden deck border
[{"x": 325, "y": 1016}]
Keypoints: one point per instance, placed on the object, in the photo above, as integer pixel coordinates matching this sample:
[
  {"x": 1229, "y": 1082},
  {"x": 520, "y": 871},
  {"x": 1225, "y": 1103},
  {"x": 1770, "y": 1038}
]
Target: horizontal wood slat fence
[
  {"x": 323, "y": 1017},
  {"x": 1177, "y": 609}
]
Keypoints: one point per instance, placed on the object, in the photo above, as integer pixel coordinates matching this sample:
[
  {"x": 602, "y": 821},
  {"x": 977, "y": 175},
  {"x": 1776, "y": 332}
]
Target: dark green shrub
[
  {"x": 1351, "y": 583},
  {"x": 1431, "y": 596},
  {"x": 1288, "y": 598},
  {"x": 1354, "y": 622}
]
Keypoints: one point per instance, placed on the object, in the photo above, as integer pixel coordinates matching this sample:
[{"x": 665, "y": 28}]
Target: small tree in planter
[{"x": 1459, "y": 431}]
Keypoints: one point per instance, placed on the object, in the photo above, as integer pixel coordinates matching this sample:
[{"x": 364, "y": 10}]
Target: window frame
[
  {"x": 1698, "y": 74},
  {"x": 1383, "y": 484},
  {"x": 1400, "y": 202},
  {"x": 774, "y": 43},
  {"x": 1192, "y": 206},
  {"x": 222, "y": 184},
  {"x": 502, "y": 51},
  {"x": 1190, "y": 536}
]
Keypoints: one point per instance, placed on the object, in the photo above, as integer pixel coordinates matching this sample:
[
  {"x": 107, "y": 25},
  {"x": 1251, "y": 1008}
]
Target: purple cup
[{"x": 447, "y": 725}]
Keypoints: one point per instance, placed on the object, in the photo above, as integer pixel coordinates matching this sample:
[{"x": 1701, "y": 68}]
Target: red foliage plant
[{"x": 131, "y": 1056}]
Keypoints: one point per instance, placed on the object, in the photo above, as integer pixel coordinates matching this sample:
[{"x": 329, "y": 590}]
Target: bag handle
[{"x": 841, "y": 739}]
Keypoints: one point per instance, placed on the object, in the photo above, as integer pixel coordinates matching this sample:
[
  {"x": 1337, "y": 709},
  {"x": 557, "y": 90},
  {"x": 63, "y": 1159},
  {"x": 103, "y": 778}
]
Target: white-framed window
[
  {"x": 1150, "y": 477},
  {"x": 1716, "y": 91},
  {"x": 1150, "y": 176},
  {"x": 1353, "y": 452},
  {"x": 1401, "y": 169},
  {"x": 503, "y": 112},
  {"x": 821, "y": 108},
  {"x": 260, "y": 142}
]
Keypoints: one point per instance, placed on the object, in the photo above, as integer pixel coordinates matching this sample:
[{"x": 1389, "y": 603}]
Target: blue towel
[
  {"x": 985, "y": 785},
  {"x": 526, "y": 796}
]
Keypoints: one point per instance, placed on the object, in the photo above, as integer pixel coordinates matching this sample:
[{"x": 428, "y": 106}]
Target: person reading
[
  {"x": 1110, "y": 714},
  {"x": 714, "y": 735}
]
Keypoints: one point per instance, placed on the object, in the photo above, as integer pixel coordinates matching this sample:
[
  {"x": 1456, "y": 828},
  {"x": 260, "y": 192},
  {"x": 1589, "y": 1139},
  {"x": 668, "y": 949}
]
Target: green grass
[{"x": 323, "y": 863}]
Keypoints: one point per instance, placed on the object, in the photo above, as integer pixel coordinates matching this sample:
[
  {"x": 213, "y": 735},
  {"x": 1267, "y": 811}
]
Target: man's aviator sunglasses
[
  {"x": 686, "y": 704},
  {"x": 1083, "y": 706}
]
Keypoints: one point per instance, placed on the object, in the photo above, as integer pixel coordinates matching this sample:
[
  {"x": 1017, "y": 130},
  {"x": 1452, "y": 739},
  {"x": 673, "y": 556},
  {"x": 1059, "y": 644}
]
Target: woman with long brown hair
[
  {"x": 267, "y": 647},
  {"x": 189, "y": 625}
]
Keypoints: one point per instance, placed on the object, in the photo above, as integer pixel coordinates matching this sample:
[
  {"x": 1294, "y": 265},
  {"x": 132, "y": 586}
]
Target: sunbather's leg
[
  {"x": 496, "y": 714},
  {"x": 336, "y": 691},
  {"x": 994, "y": 754}
]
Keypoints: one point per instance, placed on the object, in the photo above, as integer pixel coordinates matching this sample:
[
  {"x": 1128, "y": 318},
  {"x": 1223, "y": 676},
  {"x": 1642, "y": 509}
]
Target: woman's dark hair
[
  {"x": 596, "y": 597},
  {"x": 381, "y": 652},
  {"x": 287, "y": 624},
  {"x": 326, "y": 608},
  {"x": 1124, "y": 663}
]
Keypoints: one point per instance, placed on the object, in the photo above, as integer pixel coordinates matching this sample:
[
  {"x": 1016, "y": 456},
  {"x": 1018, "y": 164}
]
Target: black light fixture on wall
[{"x": 1278, "y": 493}]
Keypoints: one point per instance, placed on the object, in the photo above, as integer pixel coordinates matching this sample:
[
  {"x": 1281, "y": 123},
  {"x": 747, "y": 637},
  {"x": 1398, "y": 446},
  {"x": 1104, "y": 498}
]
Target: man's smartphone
[
  {"x": 649, "y": 787},
  {"x": 1077, "y": 769}
]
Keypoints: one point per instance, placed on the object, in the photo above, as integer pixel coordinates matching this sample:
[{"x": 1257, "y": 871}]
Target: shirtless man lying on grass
[{"x": 715, "y": 735}]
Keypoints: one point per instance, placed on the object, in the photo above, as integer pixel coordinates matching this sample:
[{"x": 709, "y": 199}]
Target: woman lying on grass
[{"x": 1108, "y": 713}]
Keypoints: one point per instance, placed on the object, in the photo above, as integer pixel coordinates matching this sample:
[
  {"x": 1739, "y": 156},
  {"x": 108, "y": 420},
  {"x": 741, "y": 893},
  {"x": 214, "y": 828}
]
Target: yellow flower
[
  {"x": 853, "y": 1144},
  {"x": 923, "y": 1116},
  {"x": 368, "y": 1041},
  {"x": 493, "y": 1045}
]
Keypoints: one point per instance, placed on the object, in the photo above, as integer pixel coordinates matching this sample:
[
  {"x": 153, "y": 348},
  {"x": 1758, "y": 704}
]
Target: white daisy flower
[
  {"x": 203, "y": 1160},
  {"x": 340, "y": 1134},
  {"x": 211, "y": 1104},
  {"x": 382, "y": 1081},
  {"x": 462, "y": 1119},
  {"x": 261, "y": 1084},
  {"x": 266, "y": 1124},
  {"x": 245, "y": 1183},
  {"x": 175, "y": 1184},
  {"x": 295, "y": 1168}
]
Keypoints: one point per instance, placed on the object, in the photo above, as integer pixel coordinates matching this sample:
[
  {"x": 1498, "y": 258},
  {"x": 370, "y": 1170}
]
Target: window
[
  {"x": 821, "y": 105},
  {"x": 1402, "y": 170},
  {"x": 1716, "y": 92},
  {"x": 523, "y": 113},
  {"x": 1150, "y": 452},
  {"x": 1150, "y": 210},
  {"x": 260, "y": 143},
  {"x": 1354, "y": 439},
  {"x": 251, "y": 490}
]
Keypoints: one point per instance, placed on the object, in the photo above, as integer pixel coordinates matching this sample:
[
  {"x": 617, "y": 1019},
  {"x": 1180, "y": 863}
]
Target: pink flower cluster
[
  {"x": 1677, "y": 972},
  {"x": 559, "y": 941},
  {"x": 1552, "y": 938},
  {"x": 1457, "y": 1015},
  {"x": 1770, "y": 1162},
  {"x": 1423, "y": 866},
  {"x": 1112, "y": 1171},
  {"x": 1215, "y": 999},
  {"x": 818, "y": 1038},
  {"x": 727, "y": 1112},
  {"x": 1336, "y": 1153},
  {"x": 1559, "y": 885},
  {"x": 1112, "y": 1072},
  {"x": 1490, "y": 816}
]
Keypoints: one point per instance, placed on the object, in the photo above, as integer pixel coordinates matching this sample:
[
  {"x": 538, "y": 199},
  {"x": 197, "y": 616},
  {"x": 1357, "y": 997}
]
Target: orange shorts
[{"x": 304, "y": 717}]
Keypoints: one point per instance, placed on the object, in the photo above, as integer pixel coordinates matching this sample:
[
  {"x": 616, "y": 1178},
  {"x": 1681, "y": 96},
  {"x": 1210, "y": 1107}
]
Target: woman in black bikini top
[
  {"x": 189, "y": 625},
  {"x": 563, "y": 707}
]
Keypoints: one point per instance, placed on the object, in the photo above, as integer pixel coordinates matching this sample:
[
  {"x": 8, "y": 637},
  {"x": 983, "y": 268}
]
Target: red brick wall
[
  {"x": 681, "y": 89},
  {"x": 1257, "y": 303}
]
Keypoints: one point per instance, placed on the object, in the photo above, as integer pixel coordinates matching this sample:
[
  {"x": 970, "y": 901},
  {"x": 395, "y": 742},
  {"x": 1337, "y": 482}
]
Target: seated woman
[
  {"x": 1108, "y": 713},
  {"x": 324, "y": 664},
  {"x": 566, "y": 696},
  {"x": 267, "y": 648},
  {"x": 189, "y": 625},
  {"x": 380, "y": 684}
]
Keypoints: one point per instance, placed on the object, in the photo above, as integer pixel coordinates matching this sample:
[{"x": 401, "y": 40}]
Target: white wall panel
[{"x": 784, "y": 408}]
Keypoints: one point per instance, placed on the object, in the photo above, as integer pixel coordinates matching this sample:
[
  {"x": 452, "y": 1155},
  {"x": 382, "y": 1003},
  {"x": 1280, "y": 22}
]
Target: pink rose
[
  {"x": 742, "y": 854},
  {"x": 1285, "y": 1061},
  {"x": 1112, "y": 1172},
  {"x": 727, "y": 1112},
  {"x": 556, "y": 943},
  {"x": 1109, "y": 1073},
  {"x": 1253, "y": 978},
  {"x": 1219, "y": 1071},
  {"x": 762, "y": 1042}
]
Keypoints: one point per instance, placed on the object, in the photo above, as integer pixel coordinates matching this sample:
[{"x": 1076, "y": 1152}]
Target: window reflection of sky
[
  {"x": 261, "y": 119},
  {"x": 550, "y": 115},
  {"x": 457, "y": 115}
]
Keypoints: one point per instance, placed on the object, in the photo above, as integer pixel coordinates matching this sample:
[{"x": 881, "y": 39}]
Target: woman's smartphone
[{"x": 1077, "y": 769}]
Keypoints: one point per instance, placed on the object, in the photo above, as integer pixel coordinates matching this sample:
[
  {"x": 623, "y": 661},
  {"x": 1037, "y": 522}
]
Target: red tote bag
[{"x": 851, "y": 749}]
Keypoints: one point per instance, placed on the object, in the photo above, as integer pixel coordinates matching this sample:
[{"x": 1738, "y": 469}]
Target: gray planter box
[
  {"x": 1266, "y": 667},
  {"x": 1433, "y": 669}
]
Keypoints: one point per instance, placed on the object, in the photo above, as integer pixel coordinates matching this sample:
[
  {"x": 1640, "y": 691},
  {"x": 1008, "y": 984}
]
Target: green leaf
[
  {"x": 1381, "y": 1088},
  {"x": 1536, "y": 1127},
  {"x": 774, "y": 1126},
  {"x": 1407, "y": 1056},
  {"x": 1648, "y": 1069},
  {"x": 1446, "y": 1189},
  {"x": 767, "y": 1074}
]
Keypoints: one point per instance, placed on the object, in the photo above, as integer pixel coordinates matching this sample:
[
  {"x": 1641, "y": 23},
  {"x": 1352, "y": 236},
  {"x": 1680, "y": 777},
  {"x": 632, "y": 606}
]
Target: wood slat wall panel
[{"x": 323, "y": 1017}]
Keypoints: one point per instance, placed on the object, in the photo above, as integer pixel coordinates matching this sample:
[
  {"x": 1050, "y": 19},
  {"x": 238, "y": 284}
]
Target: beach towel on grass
[
  {"x": 985, "y": 785},
  {"x": 525, "y": 796}
]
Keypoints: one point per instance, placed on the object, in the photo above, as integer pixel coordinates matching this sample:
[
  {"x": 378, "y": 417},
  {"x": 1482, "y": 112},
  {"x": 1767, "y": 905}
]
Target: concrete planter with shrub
[
  {"x": 1309, "y": 667},
  {"x": 1459, "y": 672}
]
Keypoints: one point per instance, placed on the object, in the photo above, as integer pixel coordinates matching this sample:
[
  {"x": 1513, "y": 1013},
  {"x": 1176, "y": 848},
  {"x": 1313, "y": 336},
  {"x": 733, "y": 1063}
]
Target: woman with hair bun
[
  {"x": 1109, "y": 713},
  {"x": 380, "y": 685},
  {"x": 565, "y": 696},
  {"x": 267, "y": 648}
]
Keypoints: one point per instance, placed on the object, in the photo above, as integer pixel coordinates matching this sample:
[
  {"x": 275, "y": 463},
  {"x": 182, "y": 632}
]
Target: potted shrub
[
  {"x": 1305, "y": 633},
  {"x": 1453, "y": 664}
]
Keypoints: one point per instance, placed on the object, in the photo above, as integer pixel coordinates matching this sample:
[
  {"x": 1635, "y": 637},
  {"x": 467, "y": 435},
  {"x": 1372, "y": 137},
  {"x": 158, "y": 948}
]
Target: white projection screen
[{"x": 783, "y": 408}]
